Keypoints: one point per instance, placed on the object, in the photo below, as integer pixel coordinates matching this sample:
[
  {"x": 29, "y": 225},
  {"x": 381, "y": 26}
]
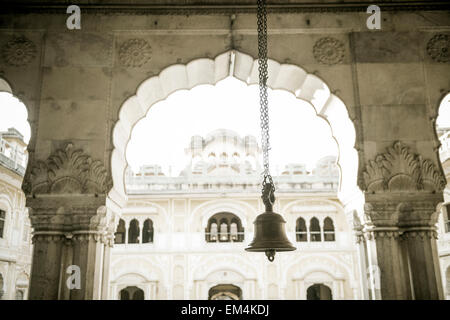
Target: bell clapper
[{"x": 270, "y": 254}]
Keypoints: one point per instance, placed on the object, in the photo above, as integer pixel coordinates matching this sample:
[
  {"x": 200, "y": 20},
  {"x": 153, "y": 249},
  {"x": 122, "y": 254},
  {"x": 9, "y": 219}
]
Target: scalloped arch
[{"x": 288, "y": 77}]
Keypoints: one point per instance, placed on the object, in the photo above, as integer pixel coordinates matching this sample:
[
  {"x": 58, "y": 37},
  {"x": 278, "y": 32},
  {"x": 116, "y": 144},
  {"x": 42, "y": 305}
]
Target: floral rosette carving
[
  {"x": 19, "y": 51},
  {"x": 134, "y": 53},
  {"x": 438, "y": 48},
  {"x": 329, "y": 51}
]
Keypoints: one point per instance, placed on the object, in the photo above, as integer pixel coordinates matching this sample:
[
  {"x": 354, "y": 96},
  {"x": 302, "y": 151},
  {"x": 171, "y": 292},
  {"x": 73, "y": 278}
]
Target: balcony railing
[
  {"x": 12, "y": 158},
  {"x": 315, "y": 236},
  {"x": 224, "y": 237}
]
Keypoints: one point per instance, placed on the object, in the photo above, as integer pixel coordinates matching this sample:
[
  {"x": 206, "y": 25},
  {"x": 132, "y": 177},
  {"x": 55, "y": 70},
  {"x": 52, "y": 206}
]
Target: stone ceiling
[{"x": 232, "y": 4}]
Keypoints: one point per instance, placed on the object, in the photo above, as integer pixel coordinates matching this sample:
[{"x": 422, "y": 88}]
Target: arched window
[
  {"x": 124, "y": 294},
  {"x": 223, "y": 234},
  {"x": 223, "y": 157},
  {"x": 119, "y": 236},
  {"x": 300, "y": 230},
  {"x": 314, "y": 230},
  {"x": 446, "y": 216},
  {"x": 138, "y": 295},
  {"x": 225, "y": 292},
  {"x": 2, "y": 222},
  {"x": 132, "y": 293},
  {"x": 214, "y": 234},
  {"x": 133, "y": 232},
  {"x": 328, "y": 229},
  {"x": 19, "y": 294},
  {"x": 319, "y": 291},
  {"x": 1, "y": 286},
  {"x": 147, "y": 232},
  {"x": 234, "y": 231},
  {"x": 224, "y": 227}
]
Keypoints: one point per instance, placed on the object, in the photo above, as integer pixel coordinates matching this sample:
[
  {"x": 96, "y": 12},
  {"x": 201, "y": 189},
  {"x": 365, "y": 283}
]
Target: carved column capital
[
  {"x": 378, "y": 233},
  {"x": 48, "y": 237},
  {"x": 67, "y": 171},
  {"x": 403, "y": 210},
  {"x": 400, "y": 170},
  {"x": 67, "y": 213}
]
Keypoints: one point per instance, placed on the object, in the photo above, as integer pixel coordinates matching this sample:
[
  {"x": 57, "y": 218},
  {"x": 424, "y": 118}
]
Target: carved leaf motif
[
  {"x": 97, "y": 179},
  {"x": 400, "y": 170},
  {"x": 373, "y": 177},
  {"x": 403, "y": 169},
  {"x": 68, "y": 171},
  {"x": 432, "y": 180},
  {"x": 39, "y": 178}
]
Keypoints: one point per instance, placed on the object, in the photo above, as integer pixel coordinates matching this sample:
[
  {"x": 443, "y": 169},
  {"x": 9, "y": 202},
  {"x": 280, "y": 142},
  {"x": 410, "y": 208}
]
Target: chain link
[{"x": 263, "y": 96}]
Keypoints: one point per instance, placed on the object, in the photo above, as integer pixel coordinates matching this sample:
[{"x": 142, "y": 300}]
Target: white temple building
[{"x": 183, "y": 237}]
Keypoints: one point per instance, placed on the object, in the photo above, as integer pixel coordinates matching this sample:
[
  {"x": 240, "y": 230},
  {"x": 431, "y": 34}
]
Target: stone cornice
[{"x": 185, "y": 8}]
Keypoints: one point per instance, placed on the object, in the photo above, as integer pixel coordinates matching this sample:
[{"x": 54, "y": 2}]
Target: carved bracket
[
  {"x": 68, "y": 171},
  {"x": 399, "y": 170}
]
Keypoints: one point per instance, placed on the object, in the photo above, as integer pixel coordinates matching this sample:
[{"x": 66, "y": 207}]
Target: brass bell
[{"x": 270, "y": 235}]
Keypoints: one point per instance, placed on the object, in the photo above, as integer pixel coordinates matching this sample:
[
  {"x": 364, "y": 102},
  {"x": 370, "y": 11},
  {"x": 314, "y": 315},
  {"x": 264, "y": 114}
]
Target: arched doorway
[
  {"x": 319, "y": 291},
  {"x": 131, "y": 293},
  {"x": 225, "y": 292}
]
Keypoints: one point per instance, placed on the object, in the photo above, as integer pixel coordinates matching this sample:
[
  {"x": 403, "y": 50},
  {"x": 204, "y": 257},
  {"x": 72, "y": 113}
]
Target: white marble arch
[
  {"x": 323, "y": 269},
  {"x": 308, "y": 259},
  {"x": 338, "y": 210},
  {"x": 6, "y": 204},
  {"x": 239, "y": 208},
  {"x": 137, "y": 265},
  {"x": 226, "y": 262},
  {"x": 291, "y": 78},
  {"x": 222, "y": 273},
  {"x": 136, "y": 272},
  {"x": 4, "y": 86},
  {"x": 157, "y": 213}
]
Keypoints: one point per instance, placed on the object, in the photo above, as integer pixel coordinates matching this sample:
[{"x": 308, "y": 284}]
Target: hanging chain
[{"x": 267, "y": 185}]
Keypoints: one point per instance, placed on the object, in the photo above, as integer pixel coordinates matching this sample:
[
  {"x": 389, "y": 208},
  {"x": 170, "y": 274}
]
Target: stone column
[
  {"x": 71, "y": 234},
  {"x": 361, "y": 256},
  {"x": 402, "y": 228},
  {"x": 109, "y": 241},
  {"x": 402, "y": 191},
  {"x": 418, "y": 221},
  {"x": 48, "y": 252},
  {"x": 141, "y": 228},
  {"x": 66, "y": 195},
  {"x": 385, "y": 249}
]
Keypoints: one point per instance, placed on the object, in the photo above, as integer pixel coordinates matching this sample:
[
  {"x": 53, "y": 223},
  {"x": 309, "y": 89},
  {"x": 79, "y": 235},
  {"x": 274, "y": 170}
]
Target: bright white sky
[
  {"x": 13, "y": 113},
  {"x": 297, "y": 135}
]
